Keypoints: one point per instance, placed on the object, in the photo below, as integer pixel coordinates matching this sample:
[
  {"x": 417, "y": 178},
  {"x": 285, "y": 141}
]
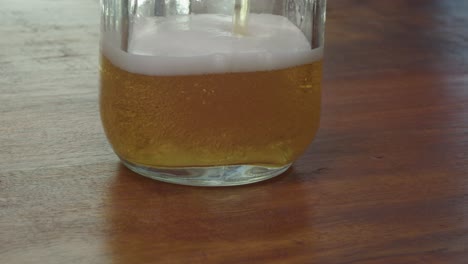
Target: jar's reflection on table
[{"x": 147, "y": 218}]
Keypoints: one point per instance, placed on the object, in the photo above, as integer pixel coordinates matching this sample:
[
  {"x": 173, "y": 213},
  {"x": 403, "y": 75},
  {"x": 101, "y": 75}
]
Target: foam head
[{"x": 203, "y": 44}]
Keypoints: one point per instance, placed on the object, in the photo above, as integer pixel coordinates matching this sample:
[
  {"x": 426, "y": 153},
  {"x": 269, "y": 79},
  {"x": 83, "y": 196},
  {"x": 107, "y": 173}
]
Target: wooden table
[{"x": 386, "y": 180}]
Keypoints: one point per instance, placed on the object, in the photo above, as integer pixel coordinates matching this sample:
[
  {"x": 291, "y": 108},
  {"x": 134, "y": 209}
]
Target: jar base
[{"x": 214, "y": 176}]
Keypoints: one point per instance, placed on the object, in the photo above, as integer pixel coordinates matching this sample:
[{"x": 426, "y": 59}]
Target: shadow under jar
[{"x": 211, "y": 92}]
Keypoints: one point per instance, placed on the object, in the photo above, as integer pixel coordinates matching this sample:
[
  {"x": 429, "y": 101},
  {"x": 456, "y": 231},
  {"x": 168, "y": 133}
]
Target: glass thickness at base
[{"x": 213, "y": 176}]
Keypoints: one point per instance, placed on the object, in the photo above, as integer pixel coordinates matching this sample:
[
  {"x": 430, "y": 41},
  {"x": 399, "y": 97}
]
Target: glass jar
[{"x": 211, "y": 92}]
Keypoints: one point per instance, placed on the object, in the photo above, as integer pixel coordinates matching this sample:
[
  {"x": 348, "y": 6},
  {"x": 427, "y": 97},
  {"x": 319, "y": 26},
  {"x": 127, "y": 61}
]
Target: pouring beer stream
[{"x": 241, "y": 16}]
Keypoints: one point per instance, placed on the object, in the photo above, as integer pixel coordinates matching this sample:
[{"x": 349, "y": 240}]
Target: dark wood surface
[{"x": 386, "y": 180}]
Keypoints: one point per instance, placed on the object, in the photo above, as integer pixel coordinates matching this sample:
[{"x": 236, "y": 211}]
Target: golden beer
[
  {"x": 265, "y": 118},
  {"x": 186, "y": 99}
]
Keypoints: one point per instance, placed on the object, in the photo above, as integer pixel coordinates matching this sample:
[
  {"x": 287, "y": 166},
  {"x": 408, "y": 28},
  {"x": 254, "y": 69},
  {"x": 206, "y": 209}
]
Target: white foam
[{"x": 201, "y": 44}]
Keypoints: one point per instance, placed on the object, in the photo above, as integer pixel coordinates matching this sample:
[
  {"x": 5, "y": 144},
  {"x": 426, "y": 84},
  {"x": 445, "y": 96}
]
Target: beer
[{"x": 177, "y": 100}]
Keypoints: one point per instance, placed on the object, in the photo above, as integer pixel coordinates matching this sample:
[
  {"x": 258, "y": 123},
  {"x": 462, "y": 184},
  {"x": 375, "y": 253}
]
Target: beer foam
[{"x": 204, "y": 43}]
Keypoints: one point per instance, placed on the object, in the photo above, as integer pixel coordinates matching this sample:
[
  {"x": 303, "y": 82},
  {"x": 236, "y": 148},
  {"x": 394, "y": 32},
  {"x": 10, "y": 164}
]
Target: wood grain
[{"x": 384, "y": 182}]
